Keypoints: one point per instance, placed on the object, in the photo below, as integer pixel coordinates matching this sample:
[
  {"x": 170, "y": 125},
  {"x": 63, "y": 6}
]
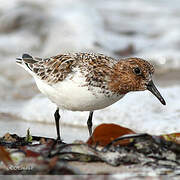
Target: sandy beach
[{"x": 145, "y": 29}]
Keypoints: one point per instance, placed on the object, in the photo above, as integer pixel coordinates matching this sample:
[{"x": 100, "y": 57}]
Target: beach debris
[
  {"x": 106, "y": 133},
  {"x": 110, "y": 143},
  {"x": 173, "y": 137},
  {"x": 28, "y": 138},
  {"x": 9, "y": 138},
  {"x": 5, "y": 156}
]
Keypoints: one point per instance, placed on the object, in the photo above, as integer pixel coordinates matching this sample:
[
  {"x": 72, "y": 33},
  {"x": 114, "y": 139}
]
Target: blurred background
[{"x": 146, "y": 29}]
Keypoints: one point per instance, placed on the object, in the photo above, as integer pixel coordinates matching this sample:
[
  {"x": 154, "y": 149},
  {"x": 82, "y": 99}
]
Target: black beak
[{"x": 151, "y": 87}]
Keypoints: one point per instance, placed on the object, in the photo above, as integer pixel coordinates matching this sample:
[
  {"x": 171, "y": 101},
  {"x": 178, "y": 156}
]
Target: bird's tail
[{"x": 26, "y": 62}]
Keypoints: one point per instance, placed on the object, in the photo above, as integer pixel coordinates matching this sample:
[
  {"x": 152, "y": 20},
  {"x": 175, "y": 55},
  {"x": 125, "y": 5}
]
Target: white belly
[{"x": 72, "y": 95}]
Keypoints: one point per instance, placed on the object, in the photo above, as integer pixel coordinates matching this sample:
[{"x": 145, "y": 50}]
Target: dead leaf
[
  {"x": 105, "y": 133},
  {"x": 174, "y": 137},
  {"x": 8, "y": 137},
  {"x": 5, "y": 156}
]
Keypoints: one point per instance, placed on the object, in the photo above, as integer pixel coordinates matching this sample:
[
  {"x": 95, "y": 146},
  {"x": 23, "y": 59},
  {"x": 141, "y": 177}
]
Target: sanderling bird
[{"x": 88, "y": 81}]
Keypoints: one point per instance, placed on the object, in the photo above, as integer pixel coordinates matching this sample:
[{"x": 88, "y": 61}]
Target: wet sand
[{"x": 19, "y": 127}]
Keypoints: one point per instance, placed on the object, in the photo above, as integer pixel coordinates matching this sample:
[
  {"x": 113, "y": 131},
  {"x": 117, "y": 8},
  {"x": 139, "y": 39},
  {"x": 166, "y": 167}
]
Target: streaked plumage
[{"x": 88, "y": 81}]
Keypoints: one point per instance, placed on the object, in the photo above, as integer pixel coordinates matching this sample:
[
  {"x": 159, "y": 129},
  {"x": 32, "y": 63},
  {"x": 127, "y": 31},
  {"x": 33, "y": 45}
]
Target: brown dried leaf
[
  {"x": 174, "y": 137},
  {"x": 8, "y": 137},
  {"x": 105, "y": 133},
  {"x": 5, "y": 156}
]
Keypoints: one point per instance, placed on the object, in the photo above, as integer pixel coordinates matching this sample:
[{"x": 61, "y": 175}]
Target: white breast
[{"x": 73, "y": 94}]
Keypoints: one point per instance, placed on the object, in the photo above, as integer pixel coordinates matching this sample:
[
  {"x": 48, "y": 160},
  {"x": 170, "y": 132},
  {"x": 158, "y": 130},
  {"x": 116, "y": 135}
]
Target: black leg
[
  {"x": 89, "y": 122},
  {"x": 57, "y": 117}
]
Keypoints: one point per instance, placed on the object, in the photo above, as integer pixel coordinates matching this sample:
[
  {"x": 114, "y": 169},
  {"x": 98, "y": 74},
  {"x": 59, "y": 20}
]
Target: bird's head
[{"x": 134, "y": 74}]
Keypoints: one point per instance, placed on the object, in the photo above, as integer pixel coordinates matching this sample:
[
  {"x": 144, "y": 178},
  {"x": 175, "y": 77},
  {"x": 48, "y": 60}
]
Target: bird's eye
[{"x": 137, "y": 71}]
